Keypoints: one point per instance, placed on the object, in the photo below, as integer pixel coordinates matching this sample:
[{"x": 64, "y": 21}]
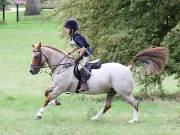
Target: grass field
[{"x": 21, "y": 95}]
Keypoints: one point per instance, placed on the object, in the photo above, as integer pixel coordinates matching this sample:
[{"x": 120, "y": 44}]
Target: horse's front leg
[
  {"x": 53, "y": 102},
  {"x": 49, "y": 97}
]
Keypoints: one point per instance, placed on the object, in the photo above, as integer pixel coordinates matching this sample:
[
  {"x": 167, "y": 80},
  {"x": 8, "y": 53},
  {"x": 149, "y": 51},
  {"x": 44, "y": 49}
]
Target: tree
[
  {"x": 33, "y": 7},
  {"x": 2, "y": 2},
  {"x": 3, "y": 6}
]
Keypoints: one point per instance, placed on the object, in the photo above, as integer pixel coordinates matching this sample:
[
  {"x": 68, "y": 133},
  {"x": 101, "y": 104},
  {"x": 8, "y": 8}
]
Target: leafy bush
[
  {"x": 119, "y": 29},
  {"x": 172, "y": 41}
]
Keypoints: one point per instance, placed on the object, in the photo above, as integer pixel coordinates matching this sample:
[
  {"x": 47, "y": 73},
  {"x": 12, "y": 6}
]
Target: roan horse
[{"x": 110, "y": 79}]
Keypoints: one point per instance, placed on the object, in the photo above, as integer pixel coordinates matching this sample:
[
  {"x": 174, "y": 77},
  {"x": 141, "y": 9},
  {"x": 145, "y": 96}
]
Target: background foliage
[
  {"x": 3, "y": 2},
  {"x": 119, "y": 29}
]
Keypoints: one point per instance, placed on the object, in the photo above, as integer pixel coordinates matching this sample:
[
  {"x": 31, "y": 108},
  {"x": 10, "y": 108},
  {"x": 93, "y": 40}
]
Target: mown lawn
[{"x": 21, "y": 95}]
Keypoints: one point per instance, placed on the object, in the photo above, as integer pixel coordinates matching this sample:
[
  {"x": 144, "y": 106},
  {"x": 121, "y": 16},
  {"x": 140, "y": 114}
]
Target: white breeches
[{"x": 82, "y": 62}]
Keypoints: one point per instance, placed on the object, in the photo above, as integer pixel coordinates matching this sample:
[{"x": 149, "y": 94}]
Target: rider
[{"x": 81, "y": 44}]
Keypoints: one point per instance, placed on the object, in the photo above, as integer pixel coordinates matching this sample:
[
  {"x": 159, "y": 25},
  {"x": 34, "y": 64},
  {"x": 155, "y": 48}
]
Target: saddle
[{"x": 88, "y": 67}]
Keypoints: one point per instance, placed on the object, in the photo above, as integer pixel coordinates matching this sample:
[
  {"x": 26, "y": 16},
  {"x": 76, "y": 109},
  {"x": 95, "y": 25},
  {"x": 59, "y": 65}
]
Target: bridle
[{"x": 47, "y": 65}]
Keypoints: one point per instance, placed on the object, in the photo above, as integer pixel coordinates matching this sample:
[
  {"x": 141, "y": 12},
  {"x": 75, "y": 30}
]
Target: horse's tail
[{"x": 154, "y": 58}]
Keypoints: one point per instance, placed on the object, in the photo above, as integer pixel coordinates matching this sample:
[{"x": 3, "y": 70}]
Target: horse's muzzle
[{"x": 34, "y": 71}]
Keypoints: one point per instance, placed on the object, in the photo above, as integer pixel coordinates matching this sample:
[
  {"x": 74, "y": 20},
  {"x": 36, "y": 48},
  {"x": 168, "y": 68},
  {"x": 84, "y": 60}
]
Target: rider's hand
[{"x": 78, "y": 59}]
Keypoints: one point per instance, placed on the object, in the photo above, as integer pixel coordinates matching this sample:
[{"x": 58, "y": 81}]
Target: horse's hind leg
[
  {"x": 53, "y": 102},
  {"x": 134, "y": 103},
  {"x": 107, "y": 105}
]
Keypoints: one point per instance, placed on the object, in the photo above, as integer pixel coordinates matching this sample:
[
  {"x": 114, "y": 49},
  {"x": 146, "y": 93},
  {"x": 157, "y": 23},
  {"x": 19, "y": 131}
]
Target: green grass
[{"x": 21, "y": 95}]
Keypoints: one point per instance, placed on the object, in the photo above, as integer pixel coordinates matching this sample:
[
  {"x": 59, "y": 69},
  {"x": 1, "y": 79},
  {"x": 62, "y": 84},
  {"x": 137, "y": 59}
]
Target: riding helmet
[{"x": 71, "y": 24}]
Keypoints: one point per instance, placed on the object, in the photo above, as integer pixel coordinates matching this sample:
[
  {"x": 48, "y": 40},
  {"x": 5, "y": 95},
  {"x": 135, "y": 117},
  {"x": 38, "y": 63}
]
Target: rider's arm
[
  {"x": 75, "y": 49},
  {"x": 78, "y": 40}
]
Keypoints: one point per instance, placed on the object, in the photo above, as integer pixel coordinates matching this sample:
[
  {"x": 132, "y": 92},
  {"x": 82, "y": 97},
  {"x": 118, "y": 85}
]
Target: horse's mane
[{"x": 58, "y": 50}]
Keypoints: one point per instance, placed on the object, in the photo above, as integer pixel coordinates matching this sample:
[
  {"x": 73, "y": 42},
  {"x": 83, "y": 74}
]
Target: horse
[{"x": 110, "y": 79}]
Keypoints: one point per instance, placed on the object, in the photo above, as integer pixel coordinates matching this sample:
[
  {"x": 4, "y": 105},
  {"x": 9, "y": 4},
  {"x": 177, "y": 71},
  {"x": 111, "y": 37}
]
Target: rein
[{"x": 49, "y": 66}]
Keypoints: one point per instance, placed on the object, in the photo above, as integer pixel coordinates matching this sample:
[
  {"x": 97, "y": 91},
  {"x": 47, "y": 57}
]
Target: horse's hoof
[
  {"x": 132, "y": 121},
  {"x": 38, "y": 117},
  {"x": 95, "y": 118}
]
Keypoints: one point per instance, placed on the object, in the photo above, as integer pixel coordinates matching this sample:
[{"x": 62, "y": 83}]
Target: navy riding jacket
[{"x": 81, "y": 42}]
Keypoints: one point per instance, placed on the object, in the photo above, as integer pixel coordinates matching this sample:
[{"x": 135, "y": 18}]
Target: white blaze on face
[
  {"x": 35, "y": 54},
  {"x": 36, "y": 57}
]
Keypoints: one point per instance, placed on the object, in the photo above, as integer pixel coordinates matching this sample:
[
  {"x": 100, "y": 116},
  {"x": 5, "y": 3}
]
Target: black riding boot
[{"x": 84, "y": 86}]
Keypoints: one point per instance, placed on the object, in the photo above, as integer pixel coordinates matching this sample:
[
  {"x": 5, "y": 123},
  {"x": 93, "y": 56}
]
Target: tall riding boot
[{"x": 84, "y": 85}]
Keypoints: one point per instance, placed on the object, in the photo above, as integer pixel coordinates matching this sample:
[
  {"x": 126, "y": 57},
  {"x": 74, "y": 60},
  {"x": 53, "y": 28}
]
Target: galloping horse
[{"x": 110, "y": 79}]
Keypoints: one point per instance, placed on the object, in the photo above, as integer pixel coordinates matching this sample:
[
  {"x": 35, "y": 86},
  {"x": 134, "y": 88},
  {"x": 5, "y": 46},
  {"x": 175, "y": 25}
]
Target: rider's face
[{"x": 67, "y": 31}]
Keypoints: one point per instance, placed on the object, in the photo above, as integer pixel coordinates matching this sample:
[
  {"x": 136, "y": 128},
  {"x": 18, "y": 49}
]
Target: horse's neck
[{"x": 54, "y": 57}]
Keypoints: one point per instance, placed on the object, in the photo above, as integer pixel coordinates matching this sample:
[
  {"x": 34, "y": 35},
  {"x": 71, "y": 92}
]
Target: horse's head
[{"x": 38, "y": 59}]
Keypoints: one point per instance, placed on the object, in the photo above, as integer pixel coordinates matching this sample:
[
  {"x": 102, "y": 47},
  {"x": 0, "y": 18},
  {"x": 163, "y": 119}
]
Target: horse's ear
[
  {"x": 39, "y": 46},
  {"x": 33, "y": 46}
]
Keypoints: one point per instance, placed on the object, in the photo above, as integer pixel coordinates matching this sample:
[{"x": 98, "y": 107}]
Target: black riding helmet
[{"x": 71, "y": 24}]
